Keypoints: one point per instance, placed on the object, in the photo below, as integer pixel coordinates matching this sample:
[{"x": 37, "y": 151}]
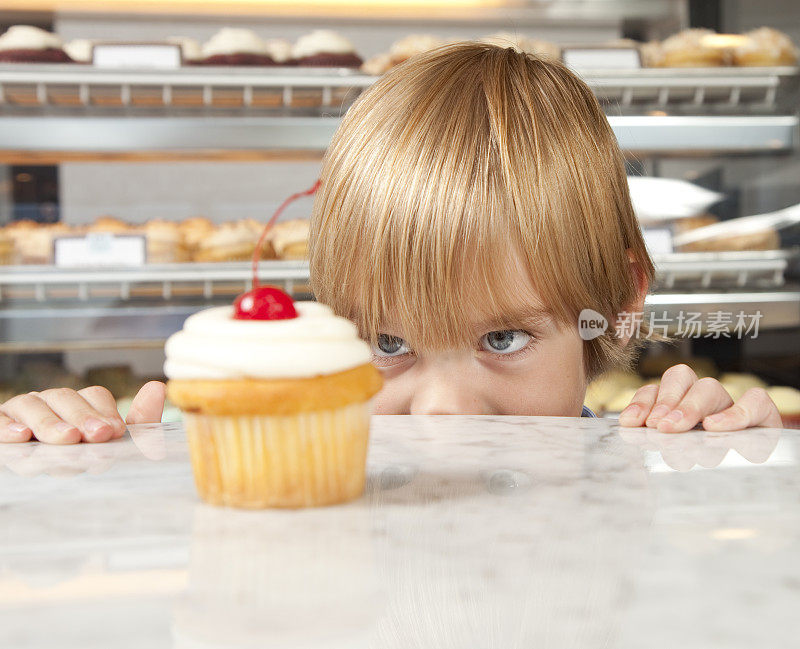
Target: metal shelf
[
  {"x": 665, "y": 134},
  {"x": 73, "y": 108},
  {"x": 113, "y": 308}
]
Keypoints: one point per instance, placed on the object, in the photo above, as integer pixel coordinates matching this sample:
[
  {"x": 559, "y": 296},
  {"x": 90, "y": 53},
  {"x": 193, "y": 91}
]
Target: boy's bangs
[{"x": 453, "y": 277}]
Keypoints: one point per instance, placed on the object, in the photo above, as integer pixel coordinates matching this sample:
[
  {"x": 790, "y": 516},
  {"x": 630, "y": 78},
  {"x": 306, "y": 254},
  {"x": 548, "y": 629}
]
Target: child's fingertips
[
  {"x": 631, "y": 416},
  {"x": 15, "y": 432},
  {"x": 97, "y": 430}
]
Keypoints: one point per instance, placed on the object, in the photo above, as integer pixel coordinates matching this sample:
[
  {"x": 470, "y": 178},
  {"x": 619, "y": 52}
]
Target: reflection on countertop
[{"x": 473, "y": 532}]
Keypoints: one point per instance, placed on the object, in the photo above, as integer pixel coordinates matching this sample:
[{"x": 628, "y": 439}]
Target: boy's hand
[
  {"x": 64, "y": 416},
  {"x": 681, "y": 401}
]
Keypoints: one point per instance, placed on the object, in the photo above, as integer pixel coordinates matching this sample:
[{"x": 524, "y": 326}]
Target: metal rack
[
  {"x": 113, "y": 307},
  {"x": 75, "y": 108}
]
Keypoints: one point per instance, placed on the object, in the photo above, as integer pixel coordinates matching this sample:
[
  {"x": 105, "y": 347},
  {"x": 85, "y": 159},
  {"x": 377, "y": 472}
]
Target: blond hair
[{"x": 452, "y": 161}]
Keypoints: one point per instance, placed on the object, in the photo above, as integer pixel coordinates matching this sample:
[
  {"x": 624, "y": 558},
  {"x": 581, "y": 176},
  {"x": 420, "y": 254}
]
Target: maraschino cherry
[{"x": 267, "y": 302}]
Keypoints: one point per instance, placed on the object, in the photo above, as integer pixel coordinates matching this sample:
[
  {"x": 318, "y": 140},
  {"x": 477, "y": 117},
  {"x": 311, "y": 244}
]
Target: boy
[{"x": 473, "y": 203}]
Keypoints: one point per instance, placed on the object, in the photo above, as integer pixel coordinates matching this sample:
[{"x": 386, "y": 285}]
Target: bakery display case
[{"x": 667, "y": 120}]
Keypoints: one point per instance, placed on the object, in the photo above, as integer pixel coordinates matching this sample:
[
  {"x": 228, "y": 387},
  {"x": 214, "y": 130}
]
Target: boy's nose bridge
[{"x": 444, "y": 387}]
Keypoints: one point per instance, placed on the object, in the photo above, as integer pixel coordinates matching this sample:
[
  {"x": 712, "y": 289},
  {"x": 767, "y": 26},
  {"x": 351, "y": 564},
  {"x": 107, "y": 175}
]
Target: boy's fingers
[
  {"x": 675, "y": 383},
  {"x": 640, "y": 406},
  {"x": 47, "y": 426},
  {"x": 148, "y": 405},
  {"x": 75, "y": 410},
  {"x": 13, "y": 431},
  {"x": 754, "y": 408},
  {"x": 103, "y": 401},
  {"x": 705, "y": 397}
]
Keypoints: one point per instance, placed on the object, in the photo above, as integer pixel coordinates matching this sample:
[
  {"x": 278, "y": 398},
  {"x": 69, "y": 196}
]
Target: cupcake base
[
  {"x": 331, "y": 60},
  {"x": 305, "y": 459},
  {"x": 34, "y": 56},
  {"x": 237, "y": 59}
]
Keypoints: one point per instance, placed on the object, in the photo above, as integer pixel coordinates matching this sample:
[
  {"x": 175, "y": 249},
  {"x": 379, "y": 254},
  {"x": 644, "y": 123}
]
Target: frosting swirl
[
  {"x": 321, "y": 41},
  {"x": 213, "y": 345},
  {"x": 26, "y": 37}
]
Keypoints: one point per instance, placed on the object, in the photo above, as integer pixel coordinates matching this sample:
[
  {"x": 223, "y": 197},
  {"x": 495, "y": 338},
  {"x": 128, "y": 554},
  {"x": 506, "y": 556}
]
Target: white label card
[
  {"x": 100, "y": 249},
  {"x": 602, "y": 58},
  {"x": 161, "y": 56},
  {"x": 658, "y": 240}
]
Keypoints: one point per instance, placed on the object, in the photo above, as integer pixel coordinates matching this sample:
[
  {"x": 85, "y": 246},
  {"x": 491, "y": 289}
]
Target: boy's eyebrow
[{"x": 528, "y": 315}]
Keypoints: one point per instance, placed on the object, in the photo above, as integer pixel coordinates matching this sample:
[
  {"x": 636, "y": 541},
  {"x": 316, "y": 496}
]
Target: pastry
[
  {"x": 290, "y": 239},
  {"x": 190, "y": 48},
  {"x": 737, "y": 384},
  {"x": 325, "y": 48},
  {"x": 6, "y": 248},
  {"x": 194, "y": 231},
  {"x": 165, "y": 243},
  {"x": 276, "y": 401},
  {"x": 26, "y": 44},
  {"x": 33, "y": 242},
  {"x": 80, "y": 50},
  {"x": 605, "y": 388},
  {"x": 232, "y": 242},
  {"x": 523, "y": 44},
  {"x": 378, "y": 64},
  {"x": 412, "y": 45},
  {"x": 691, "y": 48},
  {"x": 235, "y": 46},
  {"x": 680, "y": 226},
  {"x": 766, "y": 239},
  {"x": 765, "y": 47},
  {"x": 109, "y": 224},
  {"x": 787, "y": 399}
]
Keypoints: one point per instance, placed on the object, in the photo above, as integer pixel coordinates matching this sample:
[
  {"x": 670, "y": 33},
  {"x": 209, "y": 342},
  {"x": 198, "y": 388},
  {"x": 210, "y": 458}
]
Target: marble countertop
[{"x": 474, "y": 532}]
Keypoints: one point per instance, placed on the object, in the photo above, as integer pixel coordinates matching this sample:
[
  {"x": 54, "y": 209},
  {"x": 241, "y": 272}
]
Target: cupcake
[
  {"x": 788, "y": 401},
  {"x": 765, "y": 47},
  {"x": 235, "y": 46},
  {"x": 325, "y": 48},
  {"x": 80, "y": 50},
  {"x": 190, "y": 48},
  {"x": 26, "y": 44},
  {"x": 276, "y": 401}
]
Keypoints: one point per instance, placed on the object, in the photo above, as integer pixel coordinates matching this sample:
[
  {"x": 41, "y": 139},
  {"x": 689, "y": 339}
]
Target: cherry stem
[{"x": 257, "y": 252}]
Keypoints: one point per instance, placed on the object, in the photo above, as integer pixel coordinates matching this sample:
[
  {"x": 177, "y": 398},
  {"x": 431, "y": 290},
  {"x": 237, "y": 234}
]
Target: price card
[
  {"x": 158, "y": 56},
  {"x": 99, "y": 250},
  {"x": 658, "y": 240},
  {"x": 602, "y": 58}
]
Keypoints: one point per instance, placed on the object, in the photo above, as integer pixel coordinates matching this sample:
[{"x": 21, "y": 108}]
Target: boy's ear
[{"x": 642, "y": 286}]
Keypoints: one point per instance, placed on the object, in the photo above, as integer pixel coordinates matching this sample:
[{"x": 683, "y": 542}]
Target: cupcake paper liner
[{"x": 301, "y": 460}]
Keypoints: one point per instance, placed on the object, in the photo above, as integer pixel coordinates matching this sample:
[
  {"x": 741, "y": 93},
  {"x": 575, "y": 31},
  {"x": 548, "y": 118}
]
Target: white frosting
[
  {"x": 190, "y": 48},
  {"x": 234, "y": 40},
  {"x": 79, "y": 49},
  {"x": 321, "y": 41},
  {"x": 279, "y": 49},
  {"x": 25, "y": 37},
  {"x": 213, "y": 345}
]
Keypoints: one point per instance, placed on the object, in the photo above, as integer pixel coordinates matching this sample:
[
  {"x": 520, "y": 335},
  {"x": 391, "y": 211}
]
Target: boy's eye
[
  {"x": 505, "y": 342},
  {"x": 387, "y": 345}
]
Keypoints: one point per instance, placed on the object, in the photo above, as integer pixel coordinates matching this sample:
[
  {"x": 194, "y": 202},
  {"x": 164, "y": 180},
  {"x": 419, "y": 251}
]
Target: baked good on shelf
[
  {"x": 276, "y": 401},
  {"x": 765, "y": 47},
  {"x": 165, "y": 243},
  {"x": 523, "y": 44},
  {"x": 412, "y": 45},
  {"x": 680, "y": 226},
  {"x": 736, "y": 384},
  {"x": 80, "y": 50},
  {"x": 378, "y": 64},
  {"x": 765, "y": 239},
  {"x": 190, "y": 48},
  {"x": 33, "y": 242},
  {"x": 787, "y": 399},
  {"x": 290, "y": 239},
  {"x": 606, "y": 387},
  {"x": 230, "y": 242},
  {"x": 7, "y": 255},
  {"x": 27, "y": 44},
  {"x": 110, "y": 224},
  {"x": 194, "y": 230},
  {"x": 235, "y": 46},
  {"x": 325, "y": 48},
  {"x": 691, "y": 48}
]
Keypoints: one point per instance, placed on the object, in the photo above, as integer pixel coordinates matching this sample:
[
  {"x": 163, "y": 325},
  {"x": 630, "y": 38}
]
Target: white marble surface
[{"x": 475, "y": 532}]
